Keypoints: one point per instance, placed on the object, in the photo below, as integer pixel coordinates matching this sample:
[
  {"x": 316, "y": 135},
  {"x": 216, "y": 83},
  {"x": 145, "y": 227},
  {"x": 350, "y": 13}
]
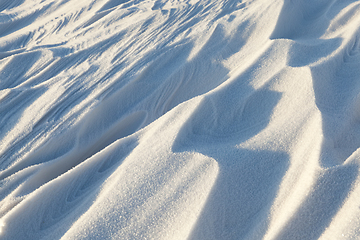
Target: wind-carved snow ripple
[
  {"x": 87, "y": 144},
  {"x": 88, "y": 182},
  {"x": 248, "y": 179},
  {"x": 29, "y": 61},
  {"x": 67, "y": 197},
  {"x": 108, "y": 7},
  {"x": 337, "y": 91},
  {"x": 19, "y": 22},
  {"x": 248, "y": 115},
  {"x": 301, "y": 19},
  {"x": 9, "y": 4}
]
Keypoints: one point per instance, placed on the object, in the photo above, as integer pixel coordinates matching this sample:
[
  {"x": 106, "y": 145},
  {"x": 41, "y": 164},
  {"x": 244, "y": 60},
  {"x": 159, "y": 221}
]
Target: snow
[{"x": 179, "y": 119}]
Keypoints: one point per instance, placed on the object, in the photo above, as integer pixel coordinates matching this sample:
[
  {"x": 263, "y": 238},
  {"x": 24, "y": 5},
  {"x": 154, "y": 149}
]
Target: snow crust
[{"x": 179, "y": 119}]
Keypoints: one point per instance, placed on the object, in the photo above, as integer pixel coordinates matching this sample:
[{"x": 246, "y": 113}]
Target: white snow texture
[{"x": 179, "y": 119}]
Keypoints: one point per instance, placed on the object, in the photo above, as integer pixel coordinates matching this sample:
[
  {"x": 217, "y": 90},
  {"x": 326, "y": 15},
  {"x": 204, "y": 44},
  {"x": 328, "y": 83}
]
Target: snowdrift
[{"x": 179, "y": 119}]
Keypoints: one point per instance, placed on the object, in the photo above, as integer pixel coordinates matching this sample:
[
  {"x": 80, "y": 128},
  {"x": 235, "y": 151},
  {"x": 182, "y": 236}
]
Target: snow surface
[{"x": 179, "y": 119}]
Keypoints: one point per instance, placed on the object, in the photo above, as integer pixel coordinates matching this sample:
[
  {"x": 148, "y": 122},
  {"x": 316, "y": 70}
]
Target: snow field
[{"x": 175, "y": 119}]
